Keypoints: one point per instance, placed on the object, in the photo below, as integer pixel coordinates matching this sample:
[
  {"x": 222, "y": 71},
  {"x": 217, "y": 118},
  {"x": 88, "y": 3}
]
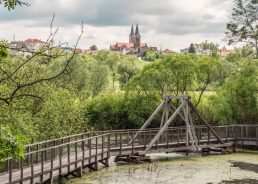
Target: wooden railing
[
  {"x": 55, "y": 157},
  {"x": 52, "y": 159}
]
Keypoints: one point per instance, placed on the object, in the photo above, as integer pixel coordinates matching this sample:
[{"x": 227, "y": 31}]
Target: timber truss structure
[{"x": 170, "y": 111}]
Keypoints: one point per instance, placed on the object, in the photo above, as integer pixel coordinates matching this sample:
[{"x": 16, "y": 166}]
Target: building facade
[{"x": 134, "y": 47}]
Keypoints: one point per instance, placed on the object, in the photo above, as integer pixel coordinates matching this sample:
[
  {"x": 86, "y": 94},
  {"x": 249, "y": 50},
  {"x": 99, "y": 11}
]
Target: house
[
  {"x": 225, "y": 52},
  {"x": 29, "y": 45},
  {"x": 167, "y": 51}
]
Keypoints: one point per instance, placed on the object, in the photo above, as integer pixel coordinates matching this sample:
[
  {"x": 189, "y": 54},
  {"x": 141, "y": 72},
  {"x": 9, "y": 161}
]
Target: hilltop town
[{"x": 134, "y": 47}]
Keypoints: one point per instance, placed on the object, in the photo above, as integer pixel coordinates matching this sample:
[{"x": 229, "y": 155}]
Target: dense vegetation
[
  {"x": 109, "y": 91},
  {"x": 49, "y": 95}
]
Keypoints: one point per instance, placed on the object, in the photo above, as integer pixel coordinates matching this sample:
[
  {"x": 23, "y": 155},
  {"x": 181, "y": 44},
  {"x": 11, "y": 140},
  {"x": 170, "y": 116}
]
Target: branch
[{"x": 19, "y": 87}]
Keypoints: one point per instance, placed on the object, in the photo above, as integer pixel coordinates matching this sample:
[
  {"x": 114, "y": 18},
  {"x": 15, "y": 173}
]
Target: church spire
[
  {"x": 137, "y": 30},
  {"x": 132, "y": 31}
]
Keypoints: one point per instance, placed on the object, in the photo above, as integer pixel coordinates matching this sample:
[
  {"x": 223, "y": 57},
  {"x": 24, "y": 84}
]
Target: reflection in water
[{"x": 177, "y": 169}]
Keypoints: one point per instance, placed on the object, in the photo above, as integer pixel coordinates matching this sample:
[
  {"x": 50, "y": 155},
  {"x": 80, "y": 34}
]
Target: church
[{"x": 134, "y": 47}]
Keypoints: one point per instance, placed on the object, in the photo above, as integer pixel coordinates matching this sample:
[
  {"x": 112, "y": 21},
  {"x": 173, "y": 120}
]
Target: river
[{"x": 238, "y": 168}]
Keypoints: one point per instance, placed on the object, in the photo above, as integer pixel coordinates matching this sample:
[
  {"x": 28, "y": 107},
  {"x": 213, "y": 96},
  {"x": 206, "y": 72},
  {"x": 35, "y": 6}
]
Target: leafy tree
[
  {"x": 149, "y": 55},
  {"x": 247, "y": 51},
  {"x": 237, "y": 101},
  {"x": 192, "y": 49},
  {"x": 234, "y": 57},
  {"x": 243, "y": 25},
  {"x": 93, "y": 48},
  {"x": 11, "y": 146},
  {"x": 127, "y": 69},
  {"x": 112, "y": 62},
  {"x": 11, "y": 4},
  {"x": 208, "y": 46},
  {"x": 59, "y": 115},
  {"x": 3, "y": 50},
  {"x": 172, "y": 75},
  {"x": 206, "y": 73},
  {"x": 107, "y": 112}
]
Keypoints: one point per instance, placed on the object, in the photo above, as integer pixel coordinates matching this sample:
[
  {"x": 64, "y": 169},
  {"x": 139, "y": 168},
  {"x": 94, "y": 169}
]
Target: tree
[
  {"x": 192, "y": 49},
  {"x": 22, "y": 82},
  {"x": 208, "y": 46},
  {"x": 11, "y": 4},
  {"x": 127, "y": 69},
  {"x": 236, "y": 101},
  {"x": 93, "y": 48},
  {"x": 243, "y": 25}
]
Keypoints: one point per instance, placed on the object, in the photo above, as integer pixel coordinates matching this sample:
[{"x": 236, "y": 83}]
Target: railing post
[
  {"x": 178, "y": 137},
  {"x": 208, "y": 136},
  {"x": 60, "y": 160},
  {"x": 242, "y": 136},
  {"x": 32, "y": 168},
  {"x": 145, "y": 141},
  {"x": 10, "y": 168},
  {"x": 167, "y": 140},
  {"x": 76, "y": 155},
  {"x": 21, "y": 167},
  {"x": 96, "y": 156},
  {"x": 132, "y": 144},
  {"x": 68, "y": 156},
  {"x": 108, "y": 145},
  {"x": 83, "y": 152},
  {"x": 102, "y": 146},
  {"x": 120, "y": 144},
  {"x": 89, "y": 144},
  {"x": 226, "y": 134},
  {"x": 45, "y": 152},
  {"x": 42, "y": 166},
  {"x": 52, "y": 162},
  {"x": 37, "y": 153},
  {"x": 116, "y": 139},
  {"x": 256, "y": 128}
]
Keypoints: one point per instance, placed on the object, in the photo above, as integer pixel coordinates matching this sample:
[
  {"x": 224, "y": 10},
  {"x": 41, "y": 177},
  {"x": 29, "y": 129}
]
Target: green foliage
[
  {"x": 3, "y": 50},
  {"x": 192, "y": 49},
  {"x": 172, "y": 75},
  {"x": 11, "y": 4},
  {"x": 151, "y": 56},
  {"x": 11, "y": 146},
  {"x": 128, "y": 69},
  {"x": 106, "y": 112},
  {"x": 208, "y": 46},
  {"x": 237, "y": 100},
  {"x": 60, "y": 115},
  {"x": 93, "y": 48},
  {"x": 243, "y": 24}
]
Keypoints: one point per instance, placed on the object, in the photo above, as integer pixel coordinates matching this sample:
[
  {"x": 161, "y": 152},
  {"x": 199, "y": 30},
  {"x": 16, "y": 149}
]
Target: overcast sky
[{"x": 172, "y": 24}]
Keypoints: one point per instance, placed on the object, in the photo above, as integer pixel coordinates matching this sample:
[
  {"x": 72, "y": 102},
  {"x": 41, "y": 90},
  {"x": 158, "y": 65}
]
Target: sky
[{"x": 172, "y": 24}]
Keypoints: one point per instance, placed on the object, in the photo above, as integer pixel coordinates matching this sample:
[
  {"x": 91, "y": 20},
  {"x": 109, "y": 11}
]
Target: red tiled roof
[
  {"x": 33, "y": 41},
  {"x": 143, "y": 45},
  {"x": 224, "y": 53}
]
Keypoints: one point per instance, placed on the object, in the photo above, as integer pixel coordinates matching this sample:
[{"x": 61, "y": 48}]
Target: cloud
[{"x": 108, "y": 20}]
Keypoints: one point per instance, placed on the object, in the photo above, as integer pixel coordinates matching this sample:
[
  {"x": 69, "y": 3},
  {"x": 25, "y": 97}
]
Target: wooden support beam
[
  {"x": 204, "y": 121},
  {"x": 153, "y": 141},
  {"x": 149, "y": 120},
  {"x": 78, "y": 172}
]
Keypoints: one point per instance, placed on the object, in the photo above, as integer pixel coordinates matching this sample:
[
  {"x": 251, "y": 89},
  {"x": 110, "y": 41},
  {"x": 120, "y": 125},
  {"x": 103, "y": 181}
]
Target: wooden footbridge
[{"x": 66, "y": 156}]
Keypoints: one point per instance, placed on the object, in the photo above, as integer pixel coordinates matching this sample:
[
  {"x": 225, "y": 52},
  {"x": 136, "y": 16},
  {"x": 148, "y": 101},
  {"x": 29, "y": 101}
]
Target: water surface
[{"x": 239, "y": 168}]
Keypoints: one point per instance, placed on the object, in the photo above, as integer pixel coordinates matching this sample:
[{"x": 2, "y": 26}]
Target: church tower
[
  {"x": 137, "y": 38},
  {"x": 132, "y": 36}
]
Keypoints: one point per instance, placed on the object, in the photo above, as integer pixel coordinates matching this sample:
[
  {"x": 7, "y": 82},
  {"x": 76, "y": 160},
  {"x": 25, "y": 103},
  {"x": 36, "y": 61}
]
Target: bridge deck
[{"x": 42, "y": 162}]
